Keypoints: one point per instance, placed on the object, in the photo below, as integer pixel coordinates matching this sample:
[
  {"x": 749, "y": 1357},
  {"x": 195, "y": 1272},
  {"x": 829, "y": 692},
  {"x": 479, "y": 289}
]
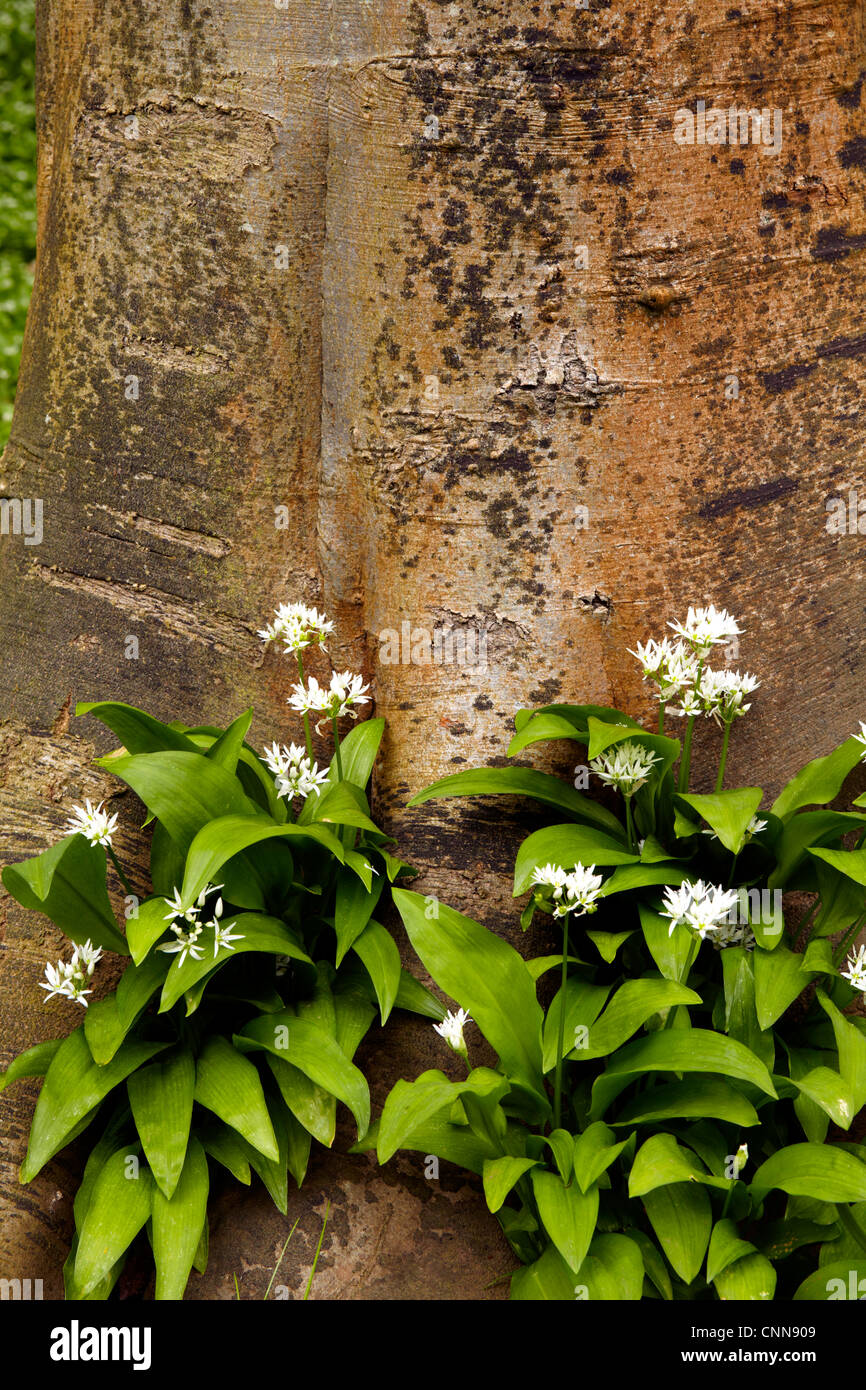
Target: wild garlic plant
[
  {"x": 255, "y": 968},
  {"x": 685, "y": 1117}
]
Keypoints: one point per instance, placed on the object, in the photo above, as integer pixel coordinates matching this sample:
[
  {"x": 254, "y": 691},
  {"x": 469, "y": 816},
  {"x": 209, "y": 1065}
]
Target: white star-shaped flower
[
  {"x": 856, "y": 971},
  {"x": 705, "y": 628},
  {"x": 93, "y": 823},
  {"x": 627, "y": 767},
  {"x": 451, "y": 1029}
]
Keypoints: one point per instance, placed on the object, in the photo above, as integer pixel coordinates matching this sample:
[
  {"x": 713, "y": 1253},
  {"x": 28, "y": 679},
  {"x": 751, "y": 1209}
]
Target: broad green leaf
[
  {"x": 594, "y": 1151},
  {"x": 74, "y": 1086},
  {"x": 523, "y": 781},
  {"x": 378, "y": 951},
  {"x": 778, "y": 1239},
  {"x": 842, "y": 901},
  {"x": 298, "y": 1146},
  {"x": 779, "y": 980},
  {"x": 260, "y": 933},
  {"x": 561, "y": 1144},
  {"x": 309, "y": 1048},
  {"x": 843, "y": 1280},
  {"x": 607, "y": 943},
  {"x": 547, "y": 1279},
  {"x": 357, "y": 753},
  {"x": 411, "y": 1104},
  {"x": 727, "y": 813},
  {"x": 226, "y": 749},
  {"x": 654, "y": 1265},
  {"x": 67, "y": 884},
  {"x": 674, "y": 952},
  {"x": 222, "y": 838},
  {"x": 418, "y": 999},
  {"x": 184, "y": 790},
  {"x": 500, "y": 1175},
  {"x": 700, "y": 1098},
  {"x": 583, "y": 1003},
  {"x": 229, "y": 1085},
  {"x": 661, "y": 1161},
  {"x": 485, "y": 975},
  {"x": 631, "y": 1006},
  {"x": 829, "y": 1091},
  {"x": 147, "y": 927},
  {"x": 850, "y": 862},
  {"x": 313, "y": 1106},
  {"x": 137, "y": 731},
  {"x": 819, "y": 781},
  {"x": 120, "y": 1204},
  {"x": 438, "y": 1136},
  {"x": 34, "y": 1062},
  {"x": 177, "y": 1224},
  {"x": 227, "y": 1147},
  {"x": 697, "y": 1050},
  {"x": 542, "y": 727},
  {"x": 354, "y": 905},
  {"x": 803, "y": 833},
  {"x": 682, "y": 1218},
  {"x": 568, "y": 1215},
  {"x": 603, "y": 735},
  {"x": 566, "y": 845},
  {"x": 161, "y": 1098},
  {"x": 613, "y": 1271},
  {"x": 344, "y": 804},
  {"x": 851, "y": 1046},
  {"x": 354, "y": 1010},
  {"x": 293, "y": 1142},
  {"x": 749, "y": 1279},
  {"x": 108, "y": 1020},
  {"x": 631, "y": 876},
  {"x": 823, "y": 1171}
]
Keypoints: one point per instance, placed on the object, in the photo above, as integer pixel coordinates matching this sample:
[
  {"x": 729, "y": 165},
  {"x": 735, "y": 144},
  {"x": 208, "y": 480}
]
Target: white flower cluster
[
  {"x": 187, "y": 937},
  {"x": 451, "y": 1029},
  {"x": 335, "y": 700},
  {"x": 571, "y": 892},
  {"x": 856, "y": 971},
  {"x": 93, "y": 823},
  {"x": 678, "y": 669},
  {"x": 297, "y": 627},
  {"x": 294, "y": 773},
  {"x": 707, "y": 910},
  {"x": 626, "y": 768},
  {"x": 67, "y": 979}
]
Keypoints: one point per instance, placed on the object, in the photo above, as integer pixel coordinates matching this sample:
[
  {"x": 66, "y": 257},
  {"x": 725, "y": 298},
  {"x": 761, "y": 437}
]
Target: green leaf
[
  {"x": 522, "y": 781},
  {"x": 842, "y": 1280},
  {"x": 696, "y": 1050},
  {"x": 120, "y": 1204},
  {"x": 741, "y": 1019},
  {"x": 850, "y": 862},
  {"x": 411, "y": 1104},
  {"x": 542, "y": 727},
  {"x": 67, "y": 884},
  {"x": 227, "y": 1147},
  {"x": 221, "y": 839},
  {"x": 137, "y": 731},
  {"x": 309, "y": 1048},
  {"x": 161, "y": 1097},
  {"x": 803, "y": 833},
  {"x": 842, "y": 901},
  {"x": 594, "y": 1151},
  {"x": 851, "y": 1046},
  {"x": 654, "y": 1265},
  {"x": 547, "y": 1279},
  {"x": 607, "y": 943},
  {"x": 177, "y": 1224},
  {"x": 74, "y": 1086},
  {"x": 438, "y": 1136},
  {"x": 357, "y": 753},
  {"x": 34, "y": 1062},
  {"x": 696, "y": 1098},
  {"x": 267, "y": 935},
  {"x": 377, "y": 949},
  {"x": 229, "y": 1085},
  {"x": 727, "y": 813},
  {"x": 418, "y": 999},
  {"x": 313, "y": 1107},
  {"x": 674, "y": 952},
  {"x": 631, "y": 1006},
  {"x": 292, "y": 1142},
  {"x": 566, "y": 845},
  {"x": 185, "y": 791},
  {"x": 485, "y": 975},
  {"x": 682, "y": 1218},
  {"x": 226, "y": 749},
  {"x": 819, "y": 781},
  {"x": 500, "y": 1175},
  {"x": 779, "y": 980},
  {"x": 613, "y": 1271},
  {"x": 583, "y": 1003},
  {"x": 661, "y": 1161},
  {"x": 824, "y": 1171},
  {"x": 750, "y": 1279},
  {"x": 568, "y": 1215},
  {"x": 354, "y": 905},
  {"x": 631, "y": 876}
]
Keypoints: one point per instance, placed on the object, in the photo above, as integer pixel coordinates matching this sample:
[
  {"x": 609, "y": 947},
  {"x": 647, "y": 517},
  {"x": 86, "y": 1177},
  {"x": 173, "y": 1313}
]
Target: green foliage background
[{"x": 17, "y": 191}]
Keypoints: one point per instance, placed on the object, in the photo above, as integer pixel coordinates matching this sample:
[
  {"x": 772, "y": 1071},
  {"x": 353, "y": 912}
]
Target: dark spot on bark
[
  {"x": 834, "y": 243},
  {"x": 482, "y": 702},
  {"x": 737, "y": 166},
  {"x": 852, "y": 155},
  {"x": 757, "y": 496}
]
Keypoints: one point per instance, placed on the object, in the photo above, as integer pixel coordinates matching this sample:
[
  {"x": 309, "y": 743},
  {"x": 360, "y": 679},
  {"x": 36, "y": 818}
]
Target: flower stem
[
  {"x": 629, "y": 823},
  {"x": 337, "y": 748},
  {"x": 685, "y": 760},
  {"x": 307, "y": 734},
  {"x": 120, "y": 874},
  {"x": 723, "y": 756},
  {"x": 560, "y": 1044}
]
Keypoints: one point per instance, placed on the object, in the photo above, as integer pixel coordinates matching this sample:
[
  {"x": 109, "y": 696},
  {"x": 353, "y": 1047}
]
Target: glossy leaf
[
  {"x": 260, "y": 933},
  {"x": 819, "y": 781},
  {"x": 177, "y": 1224},
  {"x": 120, "y": 1204},
  {"x": 309, "y": 1048},
  {"x": 229, "y": 1085},
  {"x": 224, "y": 837},
  {"x": 354, "y": 905},
  {"x": 184, "y": 790},
  {"x": 750, "y": 1279},
  {"x": 727, "y": 813},
  {"x": 613, "y": 1271},
  {"x": 161, "y": 1097},
  {"x": 547, "y": 1279},
  {"x": 34, "y": 1062},
  {"x": 631, "y": 1006},
  {"x": 823, "y": 1171},
  {"x": 500, "y": 1175},
  {"x": 67, "y": 884},
  {"x": 566, "y": 845},
  {"x": 569, "y": 1216},
  {"x": 411, "y": 1104},
  {"x": 377, "y": 949},
  {"x": 523, "y": 781},
  {"x": 681, "y": 1216},
  {"x": 694, "y": 1050},
  {"x": 594, "y": 1151}
]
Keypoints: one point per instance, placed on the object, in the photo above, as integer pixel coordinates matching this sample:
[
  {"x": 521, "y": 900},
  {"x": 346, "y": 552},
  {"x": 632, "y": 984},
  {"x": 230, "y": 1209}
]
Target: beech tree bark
[{"x": 424, "y": 313}]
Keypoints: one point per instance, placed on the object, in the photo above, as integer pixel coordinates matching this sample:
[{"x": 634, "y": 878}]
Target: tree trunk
[{"x": 425, "y": 313}]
